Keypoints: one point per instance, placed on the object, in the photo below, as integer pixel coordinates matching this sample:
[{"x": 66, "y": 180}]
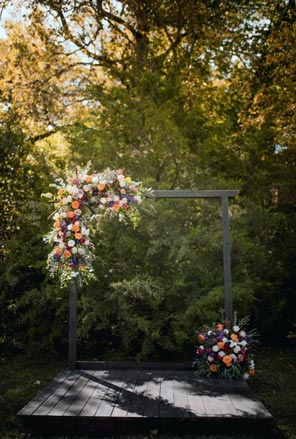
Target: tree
[{"x": 39, "y": 84}]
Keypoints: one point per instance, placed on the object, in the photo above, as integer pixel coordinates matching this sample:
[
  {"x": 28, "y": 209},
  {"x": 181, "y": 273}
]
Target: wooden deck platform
[{"x": 99, "y": 399}]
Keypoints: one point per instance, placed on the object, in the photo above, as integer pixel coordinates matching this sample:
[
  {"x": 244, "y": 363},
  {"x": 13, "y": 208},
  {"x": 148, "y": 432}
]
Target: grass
[
  {"x": 274, "y": 384},
  {"x": 21, "y": 378}
]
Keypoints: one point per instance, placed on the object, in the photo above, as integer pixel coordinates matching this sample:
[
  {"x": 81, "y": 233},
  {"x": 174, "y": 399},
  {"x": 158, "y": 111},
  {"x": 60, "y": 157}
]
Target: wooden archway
[{"x": 223, "y": 195}]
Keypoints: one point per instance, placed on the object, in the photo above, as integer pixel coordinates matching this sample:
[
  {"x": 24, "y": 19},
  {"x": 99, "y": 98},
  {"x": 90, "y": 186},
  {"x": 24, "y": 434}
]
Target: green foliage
[
  {"x": 179, "y": 105},
  {"x": 12, "y": 176}
]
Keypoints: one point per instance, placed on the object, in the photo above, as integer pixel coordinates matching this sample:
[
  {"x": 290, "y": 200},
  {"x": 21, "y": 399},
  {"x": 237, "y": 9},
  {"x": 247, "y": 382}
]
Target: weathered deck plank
[
  {"x": 113, "y": 385},
  {"x": 126, "y": 395},
  {"x": 167, "y": 408},
  {"x": 137, "y": 404},
  {"x": 81, "y": 395},
  {"x": 72, "y": 394},
  {"x": 42, "y": 395},
  {"x": 96, "y": 402},
  {"x": 93, "y": 395},
  {"x": 181, "y": 400},
  {"x": 151, "y": 408},
  {"x": 57, "y": 395}
]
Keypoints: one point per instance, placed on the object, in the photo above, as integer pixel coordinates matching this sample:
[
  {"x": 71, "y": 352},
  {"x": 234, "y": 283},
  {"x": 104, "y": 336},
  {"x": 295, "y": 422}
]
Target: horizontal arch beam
[{"x": 195, "y": 194}]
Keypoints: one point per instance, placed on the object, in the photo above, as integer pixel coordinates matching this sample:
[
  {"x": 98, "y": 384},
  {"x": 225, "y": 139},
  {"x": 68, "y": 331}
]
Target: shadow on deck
[{"x": 99, "y": 399}]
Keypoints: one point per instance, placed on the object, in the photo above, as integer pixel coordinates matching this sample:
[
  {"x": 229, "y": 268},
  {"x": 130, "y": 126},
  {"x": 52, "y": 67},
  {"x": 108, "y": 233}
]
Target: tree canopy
[{"x": 183, "y": 94}]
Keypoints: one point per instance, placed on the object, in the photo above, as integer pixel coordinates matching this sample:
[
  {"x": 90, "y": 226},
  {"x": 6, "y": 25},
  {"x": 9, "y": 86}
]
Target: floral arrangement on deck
[
  {"x": 226, "y": 351},
  {"x": 81, "y": 200}
]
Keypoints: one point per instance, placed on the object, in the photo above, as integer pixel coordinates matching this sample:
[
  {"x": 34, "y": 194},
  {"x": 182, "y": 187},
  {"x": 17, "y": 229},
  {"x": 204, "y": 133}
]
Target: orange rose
[
  {"x": 75, "y": 204},
  {"x": 70, "y": 214},
  {"x": 201, "y": 338},
  {"x": 234, "y": 337},
  {"x": 116, "y": 207},
  {"x": 221, "y": 344},
  {"x": 61, "y": 191},
  {"x": 252, "y": 372},
  {"x": 213, "y": 368},
  {"x": 219, "y": 327},
  {"x": 75, "y": 227},
  {"x": 58, "y": 250},
  {"x": 56, "y": 225},
  {"x": 88, "y": 179},
  {"x": 78, "y": 236},
  {"x": 101, "y": 186},
  {"x": 227, "y": 359},
  {"x": 67, "y": 254}
]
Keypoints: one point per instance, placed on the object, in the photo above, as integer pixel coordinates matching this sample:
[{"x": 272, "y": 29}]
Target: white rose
[
  {"x": 243, "y": 343},
  {"x": 95, "y": 179},
  {"x": 236, "y": 350},
  {"x": 215, "y": 348},
  {"x": 81, "y": 251},
  {"x": 210, "y": 359},
  {"x": 224, "y": 339},
  {"x": 80, "y": 193},
  {"x": 226, "y": 331},
  {"x": 138, "y": 199},
  {"x": 71, "y": 243},
  {"x": 84, "y": 231},
  {"x": 74, "y": 250},
  {"x": 236, "y": 328},
  {"x": 242, "y": 334},
  {"x": 75, "y": 194},
  {"x": 221, "y": 354},
  {"x": 103, "y": 200}
]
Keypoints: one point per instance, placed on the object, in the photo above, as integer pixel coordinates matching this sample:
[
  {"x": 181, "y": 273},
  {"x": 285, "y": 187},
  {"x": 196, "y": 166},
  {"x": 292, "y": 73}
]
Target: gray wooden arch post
[{"x": 223, "y": 195}]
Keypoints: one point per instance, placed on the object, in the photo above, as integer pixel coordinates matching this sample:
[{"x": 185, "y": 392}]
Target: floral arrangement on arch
[
  {"x": 82, "y": 199},
  {"x": 226, "y": 351}
]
